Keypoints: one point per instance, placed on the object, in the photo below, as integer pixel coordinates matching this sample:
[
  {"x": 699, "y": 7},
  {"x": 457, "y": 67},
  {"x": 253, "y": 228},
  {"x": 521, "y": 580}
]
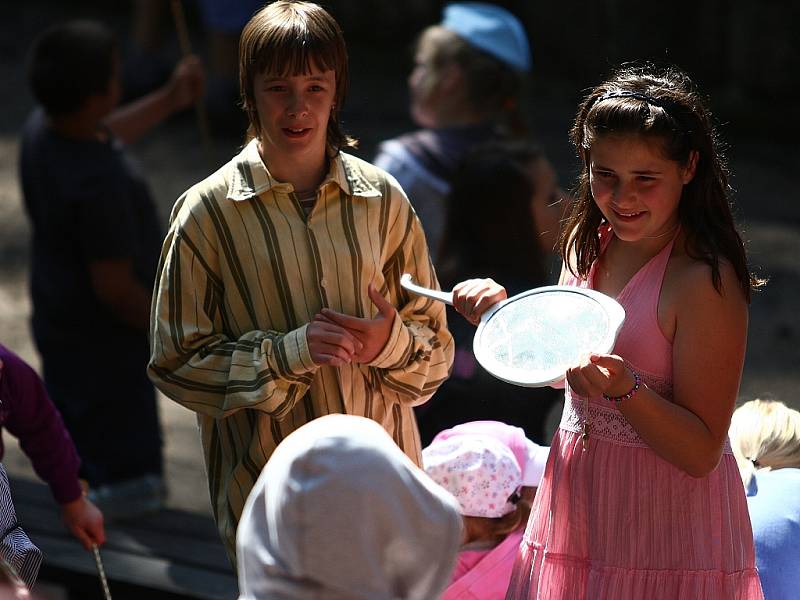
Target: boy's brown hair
[
  {"x": 69, "y": 62},
  {"x": 288, "y": 38}
]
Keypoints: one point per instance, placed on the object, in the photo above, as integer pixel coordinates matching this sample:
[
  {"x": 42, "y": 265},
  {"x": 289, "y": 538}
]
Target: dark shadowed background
[{"x": 744, "y": 55}]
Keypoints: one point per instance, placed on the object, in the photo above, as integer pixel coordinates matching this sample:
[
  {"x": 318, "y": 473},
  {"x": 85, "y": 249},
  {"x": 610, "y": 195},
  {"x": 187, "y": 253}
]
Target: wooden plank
[
  {"x": 26, "y": 493},
  {"x": 144, "y": 571},
  {"x": 171, "y": 551},
  {"x": 181, "y": 522},
  {"x": 210, "y": 555}
]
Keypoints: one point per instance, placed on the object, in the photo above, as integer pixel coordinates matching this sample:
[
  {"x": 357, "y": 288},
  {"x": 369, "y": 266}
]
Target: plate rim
[{"x": 612, "y": 308}]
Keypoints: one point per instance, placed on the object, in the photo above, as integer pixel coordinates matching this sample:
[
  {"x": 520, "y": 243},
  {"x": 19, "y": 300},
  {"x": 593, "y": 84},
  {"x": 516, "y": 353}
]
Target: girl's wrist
[{"x": 632, "y": 390}]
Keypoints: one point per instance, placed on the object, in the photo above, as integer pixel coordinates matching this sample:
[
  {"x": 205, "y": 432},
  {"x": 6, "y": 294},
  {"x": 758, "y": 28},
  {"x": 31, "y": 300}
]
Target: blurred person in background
[
  {"x": 465, "y": 88},
  {"x": 502, "y": 217},
  {"x": 96, "y": 235}
]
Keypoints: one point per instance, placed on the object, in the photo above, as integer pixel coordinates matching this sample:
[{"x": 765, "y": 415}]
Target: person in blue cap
[{"x": 469, "y": 73}]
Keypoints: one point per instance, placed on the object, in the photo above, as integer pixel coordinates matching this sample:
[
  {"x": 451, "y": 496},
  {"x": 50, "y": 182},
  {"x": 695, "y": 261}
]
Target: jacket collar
[{"x": 251, "y": 177}]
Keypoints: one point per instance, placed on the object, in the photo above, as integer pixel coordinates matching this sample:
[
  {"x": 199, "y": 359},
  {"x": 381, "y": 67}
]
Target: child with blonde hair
[{"x": 765, "y": 435}]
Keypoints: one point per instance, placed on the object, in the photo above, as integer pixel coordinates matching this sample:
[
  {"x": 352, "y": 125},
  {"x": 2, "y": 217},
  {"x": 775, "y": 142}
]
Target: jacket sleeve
[
  {"x": 35, "y": 421},
  {"x": 193, "y": 360},
  {"x": 419, "y": 353}
]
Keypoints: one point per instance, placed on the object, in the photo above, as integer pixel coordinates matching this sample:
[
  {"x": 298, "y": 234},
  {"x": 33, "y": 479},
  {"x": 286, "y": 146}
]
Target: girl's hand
[
  {"x": 601, "y": 374},
  {"x": 472, "y": 297}
]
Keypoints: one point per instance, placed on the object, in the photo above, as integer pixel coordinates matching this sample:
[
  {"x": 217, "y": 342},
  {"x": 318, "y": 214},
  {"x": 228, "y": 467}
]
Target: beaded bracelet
[{"x": 637, "y": 383}]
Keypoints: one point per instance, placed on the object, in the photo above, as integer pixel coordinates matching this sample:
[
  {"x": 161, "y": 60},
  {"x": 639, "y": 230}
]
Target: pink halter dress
[{"x": 616, "y": 521}]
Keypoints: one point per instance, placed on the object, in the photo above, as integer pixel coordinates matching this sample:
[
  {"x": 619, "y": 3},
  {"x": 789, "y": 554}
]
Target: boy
[
  {"x": 279, "y": 277},
  {"x": 95, "y": 249},
  {"x": 465, "y": 90}
]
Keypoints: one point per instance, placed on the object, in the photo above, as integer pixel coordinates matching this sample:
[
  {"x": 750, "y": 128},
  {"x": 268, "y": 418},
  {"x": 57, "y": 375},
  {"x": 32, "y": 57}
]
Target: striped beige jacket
[{"x": 242, "y": 273}]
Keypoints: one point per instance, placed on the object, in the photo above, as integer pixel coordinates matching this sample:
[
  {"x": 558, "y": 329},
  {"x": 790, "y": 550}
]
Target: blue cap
[{"x": 492, "y": 29}]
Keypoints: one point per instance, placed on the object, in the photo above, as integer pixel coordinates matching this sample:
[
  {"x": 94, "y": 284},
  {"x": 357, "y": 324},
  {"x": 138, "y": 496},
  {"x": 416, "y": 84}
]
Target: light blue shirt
[
  {"x": 773, "y": 498},
  {"x": 426, "y": 192}
]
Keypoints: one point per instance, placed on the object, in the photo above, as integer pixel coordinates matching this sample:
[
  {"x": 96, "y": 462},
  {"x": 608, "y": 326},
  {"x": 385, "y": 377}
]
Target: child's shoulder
[
  {"x": 359, "y": 169},
  {"x": 690, "y": 282}
]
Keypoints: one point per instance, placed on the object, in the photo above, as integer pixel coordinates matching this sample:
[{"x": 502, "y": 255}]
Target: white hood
[{"x": 339, "y": 512}]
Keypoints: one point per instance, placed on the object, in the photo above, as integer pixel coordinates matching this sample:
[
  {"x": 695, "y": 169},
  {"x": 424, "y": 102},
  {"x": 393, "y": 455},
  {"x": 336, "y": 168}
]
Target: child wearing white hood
[{"x": 340, "y": 513}]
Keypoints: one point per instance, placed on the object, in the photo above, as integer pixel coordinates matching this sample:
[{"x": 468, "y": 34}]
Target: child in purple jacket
[{"x": 28, "y": 414}]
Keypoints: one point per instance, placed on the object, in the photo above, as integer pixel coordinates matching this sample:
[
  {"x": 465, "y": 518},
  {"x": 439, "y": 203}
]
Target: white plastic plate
[{"x": 531, "y": 339}]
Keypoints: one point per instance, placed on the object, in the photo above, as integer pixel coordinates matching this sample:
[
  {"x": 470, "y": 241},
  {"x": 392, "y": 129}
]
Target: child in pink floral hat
[
  {"x": 530, "y": 456},
  {"x": 488, "y": 470}
]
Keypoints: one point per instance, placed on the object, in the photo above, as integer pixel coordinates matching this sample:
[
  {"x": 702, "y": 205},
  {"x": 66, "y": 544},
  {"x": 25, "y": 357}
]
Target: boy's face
[
  {"x": 103, "y": 104},
  {"x": 422, "y": 90},
  {"x": 294, "y": 111}
]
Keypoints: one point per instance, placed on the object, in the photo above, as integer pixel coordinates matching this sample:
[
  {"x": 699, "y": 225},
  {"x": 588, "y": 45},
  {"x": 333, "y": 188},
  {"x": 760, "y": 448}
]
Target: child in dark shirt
[{"x": 96, "y": 237}]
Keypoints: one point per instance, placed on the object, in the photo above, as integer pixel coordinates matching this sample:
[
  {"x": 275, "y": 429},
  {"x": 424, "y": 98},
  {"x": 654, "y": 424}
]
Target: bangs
[
  {"x": 632, "y": 116},
  {"x": 294, "y": 49},
  {"x": 626, "y": 115}
]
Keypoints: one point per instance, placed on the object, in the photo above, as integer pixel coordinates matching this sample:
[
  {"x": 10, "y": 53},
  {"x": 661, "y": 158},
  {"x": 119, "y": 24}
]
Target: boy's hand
[
  {"x": 187, "y": 83},
  {"x": 371, "y": 333},
  {"x": 472, "y": 297},
  {"x": 330, "y": 344},
  {"x": 85, "y": 522}
]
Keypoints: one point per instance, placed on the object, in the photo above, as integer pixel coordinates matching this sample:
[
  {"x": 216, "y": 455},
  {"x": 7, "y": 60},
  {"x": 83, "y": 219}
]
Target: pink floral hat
[
  {"x": 530, "y": 456},
  {"x": 481, "y": 472}
]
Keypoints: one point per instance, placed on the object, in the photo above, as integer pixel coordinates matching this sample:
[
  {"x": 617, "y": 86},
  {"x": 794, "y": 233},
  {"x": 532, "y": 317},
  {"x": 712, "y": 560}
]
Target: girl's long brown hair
[{"x": 662, "y": 106}]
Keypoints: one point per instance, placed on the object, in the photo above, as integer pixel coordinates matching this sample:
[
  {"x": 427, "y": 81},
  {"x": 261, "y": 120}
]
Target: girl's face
[
  {"x": 547, "y": 204},
  {"x": 635, "y": 186}
]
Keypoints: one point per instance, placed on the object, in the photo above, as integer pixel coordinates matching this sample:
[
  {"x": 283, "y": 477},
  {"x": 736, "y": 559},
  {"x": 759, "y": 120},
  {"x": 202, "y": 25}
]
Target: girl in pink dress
[{"x": 641, "y": 496}]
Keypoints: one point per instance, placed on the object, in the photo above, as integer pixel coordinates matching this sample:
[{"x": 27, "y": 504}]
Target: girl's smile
[{"x": 635, "y": 186}]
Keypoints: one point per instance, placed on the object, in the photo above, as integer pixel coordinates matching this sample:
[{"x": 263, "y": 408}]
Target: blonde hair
[{"x": 765, "y": 434}]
